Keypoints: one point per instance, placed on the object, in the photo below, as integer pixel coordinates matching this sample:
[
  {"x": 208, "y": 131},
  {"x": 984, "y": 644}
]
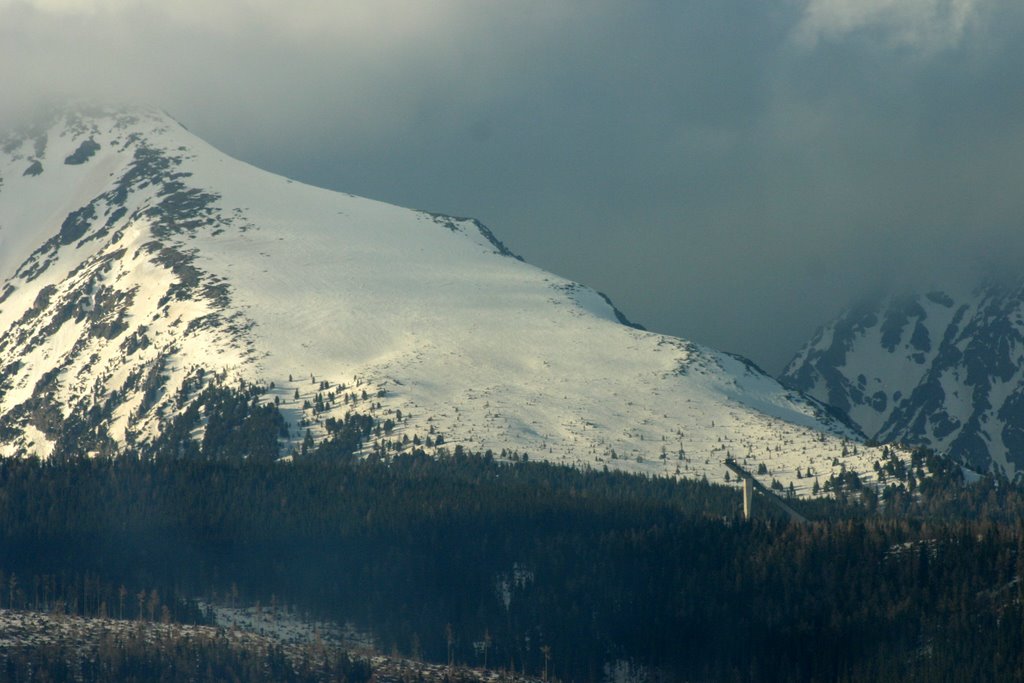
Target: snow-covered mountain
[
  {"x": 137, "y": 264},
  {"x": 932, "y": 369}
]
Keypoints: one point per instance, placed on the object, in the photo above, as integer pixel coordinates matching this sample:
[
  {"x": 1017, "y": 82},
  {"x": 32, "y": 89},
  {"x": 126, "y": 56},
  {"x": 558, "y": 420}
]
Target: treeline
[
  {"x": 172, "y": 656},
  {"x": 474, "y": 559}
]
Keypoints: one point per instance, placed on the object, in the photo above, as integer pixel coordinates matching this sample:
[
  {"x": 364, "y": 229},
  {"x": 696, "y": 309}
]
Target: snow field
[{"x": 422, "y": 312}]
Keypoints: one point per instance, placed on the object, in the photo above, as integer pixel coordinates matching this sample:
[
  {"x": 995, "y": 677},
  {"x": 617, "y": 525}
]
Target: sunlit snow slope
[{"x": 137, "y": 263}]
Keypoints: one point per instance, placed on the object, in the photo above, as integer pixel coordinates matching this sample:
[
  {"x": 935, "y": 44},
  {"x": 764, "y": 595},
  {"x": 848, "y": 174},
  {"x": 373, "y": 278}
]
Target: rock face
[
  {"x": 138, "y": 265},
  {"x": 932, "y": 369}
]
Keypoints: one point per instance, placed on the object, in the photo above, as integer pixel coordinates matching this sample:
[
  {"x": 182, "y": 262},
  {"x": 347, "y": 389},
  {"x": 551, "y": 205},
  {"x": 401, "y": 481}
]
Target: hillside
[{"x": 138, "y": 265}]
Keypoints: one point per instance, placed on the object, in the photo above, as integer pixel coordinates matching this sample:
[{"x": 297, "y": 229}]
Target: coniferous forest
[{"x": 490, "y": 560}]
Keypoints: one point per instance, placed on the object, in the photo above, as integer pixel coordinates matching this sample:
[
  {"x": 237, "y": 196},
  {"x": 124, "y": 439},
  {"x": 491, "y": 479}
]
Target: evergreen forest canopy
[{"x": 486, "y": 559}]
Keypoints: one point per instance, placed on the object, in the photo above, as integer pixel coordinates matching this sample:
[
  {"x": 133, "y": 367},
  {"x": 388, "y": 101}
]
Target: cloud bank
[
  {"x": 731, "y": 172},
  {"x": 923, "y": 25}
]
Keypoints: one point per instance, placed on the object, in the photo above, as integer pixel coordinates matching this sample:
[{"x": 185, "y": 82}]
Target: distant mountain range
[
  {"x": 936, "y": 369},
  {"x": 138, "y": 264}
]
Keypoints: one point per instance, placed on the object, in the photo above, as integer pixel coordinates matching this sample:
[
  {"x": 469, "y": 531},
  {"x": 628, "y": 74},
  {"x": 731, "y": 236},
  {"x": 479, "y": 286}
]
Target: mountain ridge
[
  {"x": 139, "y": 263},
  {"x": 938, "y": 369}
]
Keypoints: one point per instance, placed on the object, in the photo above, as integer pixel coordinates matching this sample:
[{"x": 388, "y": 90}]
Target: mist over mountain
[{"x": 238, "y": 378}]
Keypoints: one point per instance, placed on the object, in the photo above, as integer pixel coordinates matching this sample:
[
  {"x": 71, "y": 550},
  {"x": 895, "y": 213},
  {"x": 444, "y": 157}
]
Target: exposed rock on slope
[
  {"x": 929, "y": 369},
  {"x": 137, "y": 264}
]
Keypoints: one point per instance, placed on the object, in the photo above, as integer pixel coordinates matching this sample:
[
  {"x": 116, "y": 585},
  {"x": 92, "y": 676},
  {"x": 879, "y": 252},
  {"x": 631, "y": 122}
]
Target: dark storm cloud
[{"x": 732, "y": 172}]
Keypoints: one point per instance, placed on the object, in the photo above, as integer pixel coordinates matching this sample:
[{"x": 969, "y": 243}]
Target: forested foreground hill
[
  {"x": 55, "y": 646},
  {"x": 534, "y": 567}
]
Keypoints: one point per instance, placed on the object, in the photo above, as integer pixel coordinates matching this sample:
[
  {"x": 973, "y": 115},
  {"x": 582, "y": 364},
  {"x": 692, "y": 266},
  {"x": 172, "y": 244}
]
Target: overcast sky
[{"x": 730, "y": 171}]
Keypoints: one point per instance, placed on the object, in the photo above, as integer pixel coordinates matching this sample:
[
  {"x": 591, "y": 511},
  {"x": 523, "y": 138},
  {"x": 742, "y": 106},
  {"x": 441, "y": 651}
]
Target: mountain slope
[
  {"x": 928, "y": 369},
  {"x": 138, "y": 264}
]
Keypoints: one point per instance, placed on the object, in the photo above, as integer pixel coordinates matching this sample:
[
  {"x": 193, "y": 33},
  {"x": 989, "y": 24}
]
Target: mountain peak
[
  {"x": 940, "y": 369},
  {"x": 139, "y": 264}
]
